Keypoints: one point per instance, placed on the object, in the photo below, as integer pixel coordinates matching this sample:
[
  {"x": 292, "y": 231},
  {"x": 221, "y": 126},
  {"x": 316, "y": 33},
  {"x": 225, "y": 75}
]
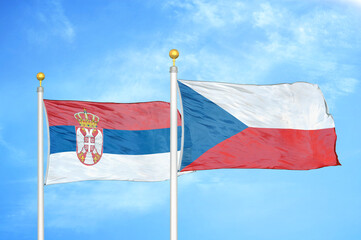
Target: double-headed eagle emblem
[{"x": 89, "y": 139}]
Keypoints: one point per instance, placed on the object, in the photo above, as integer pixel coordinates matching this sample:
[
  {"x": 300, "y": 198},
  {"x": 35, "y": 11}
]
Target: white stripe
[
  {"x": 65, "y": 167},
  {"x": 291, "y": 106}
]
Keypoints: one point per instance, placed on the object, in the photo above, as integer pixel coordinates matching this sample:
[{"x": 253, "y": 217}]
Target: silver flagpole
[
  {"x": 40, "y": 76},
  {"x": 173, "y": 148}
]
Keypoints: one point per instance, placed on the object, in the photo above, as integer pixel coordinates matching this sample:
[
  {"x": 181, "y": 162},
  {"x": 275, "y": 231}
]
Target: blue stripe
[
  {"x": 63, "y": 139},
  {"x": 205, "y": 124}
]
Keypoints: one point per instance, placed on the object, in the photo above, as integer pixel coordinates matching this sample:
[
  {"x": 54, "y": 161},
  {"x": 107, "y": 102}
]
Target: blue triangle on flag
[{"x": 205, "y": 124}]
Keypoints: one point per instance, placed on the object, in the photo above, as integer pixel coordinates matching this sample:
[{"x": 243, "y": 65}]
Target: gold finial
[
  {"x": 40, "y": 76},
  {"x": 173, "y": 54}
]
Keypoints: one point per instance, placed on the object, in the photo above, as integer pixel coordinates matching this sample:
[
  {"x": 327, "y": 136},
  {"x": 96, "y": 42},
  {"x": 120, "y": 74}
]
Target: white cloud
[
  {"x": 231, "y": 42},
  {"x": 267, "y": 16},
  {"x": 309, "y": 41},
  {"x": 82, "y": 205},
  {"x": 338, "y": 87},
  {"x": 133, "y": 75},
  {"x": 210, "y": 13},
  {"x": 15, "y": 152},
  {"x": 348, "y": 85},
  {"x": 52, "y": 22},
  {"x": 313, "y": 43},
  {"x": 352, "y": 2}
]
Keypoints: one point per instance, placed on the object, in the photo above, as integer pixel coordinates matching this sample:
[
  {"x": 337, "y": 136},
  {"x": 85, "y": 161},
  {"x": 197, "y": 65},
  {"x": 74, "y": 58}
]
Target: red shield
[{"x": 89, "y": 145}]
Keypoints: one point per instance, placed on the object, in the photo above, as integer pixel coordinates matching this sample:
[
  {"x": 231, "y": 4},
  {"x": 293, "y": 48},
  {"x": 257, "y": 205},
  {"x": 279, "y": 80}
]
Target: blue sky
[{"x": 118, "y": 51}]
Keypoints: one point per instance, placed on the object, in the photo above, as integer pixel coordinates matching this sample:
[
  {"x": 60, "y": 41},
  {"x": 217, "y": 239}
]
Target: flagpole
[
  {"x": 40, "y": 76},
  {"x": 173, "y": 148}
]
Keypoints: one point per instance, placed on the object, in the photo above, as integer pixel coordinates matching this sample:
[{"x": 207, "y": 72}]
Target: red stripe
[
  {"x": 272, "y": 149},
  {"x": 120, "y": 116}
]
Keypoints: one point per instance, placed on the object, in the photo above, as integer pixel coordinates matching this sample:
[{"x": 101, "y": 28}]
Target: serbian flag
[
  {"x": 282, "y": 126},
  {"x": 108, "y": 141}
]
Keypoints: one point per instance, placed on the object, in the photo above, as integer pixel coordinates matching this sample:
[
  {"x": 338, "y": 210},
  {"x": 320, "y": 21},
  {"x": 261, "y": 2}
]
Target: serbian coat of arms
[{"x": 89, "y": 139}]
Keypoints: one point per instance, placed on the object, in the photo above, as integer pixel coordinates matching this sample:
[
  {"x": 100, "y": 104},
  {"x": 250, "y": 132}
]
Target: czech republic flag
[
  {"x": 108, "y": 141},
  {"x": 282, "y": 126}
]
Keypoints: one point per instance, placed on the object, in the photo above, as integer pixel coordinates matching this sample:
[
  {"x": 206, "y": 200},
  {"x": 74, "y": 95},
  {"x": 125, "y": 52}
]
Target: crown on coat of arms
[{"x": 86, "y": 119}]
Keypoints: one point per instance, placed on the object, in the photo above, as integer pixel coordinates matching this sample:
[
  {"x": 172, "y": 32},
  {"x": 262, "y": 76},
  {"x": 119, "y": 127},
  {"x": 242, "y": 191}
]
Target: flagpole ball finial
[
  {"x": 40, "y": 76},
  {"x": 173, "y": 54}
]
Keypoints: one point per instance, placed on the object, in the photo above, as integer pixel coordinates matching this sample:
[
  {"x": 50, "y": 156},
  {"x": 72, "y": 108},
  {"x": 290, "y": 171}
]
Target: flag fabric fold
[
  {"x": 282, "y": 126},
  {"x": 108, "y": 141}
]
